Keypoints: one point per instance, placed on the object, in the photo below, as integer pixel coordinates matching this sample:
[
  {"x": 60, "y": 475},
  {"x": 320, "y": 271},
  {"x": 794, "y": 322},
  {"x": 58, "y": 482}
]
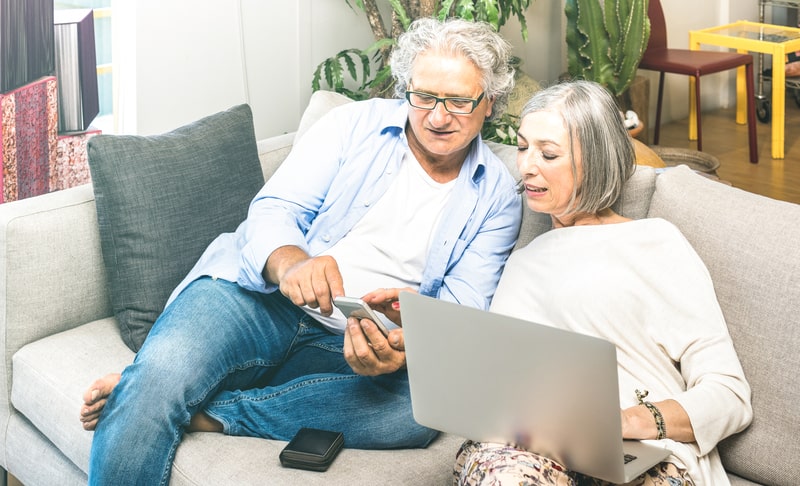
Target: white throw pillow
[{"x": 321, "y": 102}]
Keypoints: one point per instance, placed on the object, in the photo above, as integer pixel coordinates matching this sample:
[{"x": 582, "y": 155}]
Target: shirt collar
[
  {"x": 397, "y": 118},
  {"x": 474, "y": 163}
]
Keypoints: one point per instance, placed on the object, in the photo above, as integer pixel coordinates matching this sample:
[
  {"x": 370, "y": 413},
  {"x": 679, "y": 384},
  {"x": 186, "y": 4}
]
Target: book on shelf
[
  {"x": 28, "y": 119},
  {"x": 76, "y": 69},
  {"x": 26, "y": 42}
]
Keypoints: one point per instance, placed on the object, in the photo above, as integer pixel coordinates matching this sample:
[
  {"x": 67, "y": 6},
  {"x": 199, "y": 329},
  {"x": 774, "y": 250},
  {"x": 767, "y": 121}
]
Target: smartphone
[{"x": 355, "y": 307}]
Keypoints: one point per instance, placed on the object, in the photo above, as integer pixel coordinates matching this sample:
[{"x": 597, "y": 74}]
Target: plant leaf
[
  {"x": 444, "y": 11},
  {"x": 465, "y": 9},
  {"x": 635, "y": 35},
  {"x": 487, "y": 11},
  {"x": 402, "y": 15}
]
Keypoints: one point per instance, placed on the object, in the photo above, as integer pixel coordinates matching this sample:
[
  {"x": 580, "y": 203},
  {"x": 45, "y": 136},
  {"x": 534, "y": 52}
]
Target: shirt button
[
  {"x": 366, "y": 203},
  {"x": 326, "y": 238}
]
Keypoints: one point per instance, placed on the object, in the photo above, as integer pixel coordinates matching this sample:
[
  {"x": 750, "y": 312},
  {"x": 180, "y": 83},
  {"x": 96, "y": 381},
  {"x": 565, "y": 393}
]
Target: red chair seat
[
  {"x": 693, "y": 63},
  {"x": 659, "y": 57}
]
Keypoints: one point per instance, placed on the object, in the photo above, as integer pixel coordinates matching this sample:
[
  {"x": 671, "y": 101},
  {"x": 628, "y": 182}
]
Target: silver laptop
[{"x": 489, "y": 377}]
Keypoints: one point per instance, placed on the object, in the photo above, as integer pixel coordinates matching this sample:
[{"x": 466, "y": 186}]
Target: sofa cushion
[
  {"x": 321, "y": 102},
  {"x": 61, "y": 367},
  {"x": 161, "y": 200},
  {"x": 749, "y": 244}
]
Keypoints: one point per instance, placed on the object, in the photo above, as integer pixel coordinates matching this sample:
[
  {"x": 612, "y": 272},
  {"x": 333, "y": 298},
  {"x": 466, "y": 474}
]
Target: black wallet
[{"x": 312, "y": 449}]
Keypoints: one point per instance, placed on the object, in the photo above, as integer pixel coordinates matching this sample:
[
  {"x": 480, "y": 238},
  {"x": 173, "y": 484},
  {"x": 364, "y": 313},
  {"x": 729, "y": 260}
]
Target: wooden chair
[{"x": 659, "y": 57}]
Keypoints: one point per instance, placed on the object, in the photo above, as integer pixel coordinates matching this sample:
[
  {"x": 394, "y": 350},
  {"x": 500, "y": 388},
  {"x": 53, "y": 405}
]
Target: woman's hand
[
  {"x": 638, "y": 422},
  {"x": 387, "y": 302}
]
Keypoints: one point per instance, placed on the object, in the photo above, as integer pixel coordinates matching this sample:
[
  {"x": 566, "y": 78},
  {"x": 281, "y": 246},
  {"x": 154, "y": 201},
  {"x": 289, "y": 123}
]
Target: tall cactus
[{"x": 606, "y": 44}]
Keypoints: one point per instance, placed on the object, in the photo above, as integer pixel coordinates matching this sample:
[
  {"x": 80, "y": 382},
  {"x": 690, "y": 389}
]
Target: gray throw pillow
[{"x": 161, "y": 200}]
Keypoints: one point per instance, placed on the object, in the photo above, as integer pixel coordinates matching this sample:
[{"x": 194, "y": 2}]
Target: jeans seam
[
  {"x": 285, "y": 390},
  {"x": 228, "y": 372},
  {"x": 301, "y": 327},
  {"x": 308, "y": 323},
  {"x": 167, "y": 472}
]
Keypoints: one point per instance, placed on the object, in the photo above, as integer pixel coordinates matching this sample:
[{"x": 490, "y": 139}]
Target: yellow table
[{"x": 745, "y": 36}]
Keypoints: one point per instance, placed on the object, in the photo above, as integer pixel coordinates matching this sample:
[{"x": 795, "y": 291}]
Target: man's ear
[{"x": 489, "y": 106}]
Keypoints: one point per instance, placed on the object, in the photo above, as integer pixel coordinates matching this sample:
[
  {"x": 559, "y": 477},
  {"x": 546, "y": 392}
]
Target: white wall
[
  {"x": 191, "y": 58},
  {"x": 543, "y": 55}
]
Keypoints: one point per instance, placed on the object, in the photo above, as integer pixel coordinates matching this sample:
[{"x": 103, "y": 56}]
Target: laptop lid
[{"x": 494, "y": 378}]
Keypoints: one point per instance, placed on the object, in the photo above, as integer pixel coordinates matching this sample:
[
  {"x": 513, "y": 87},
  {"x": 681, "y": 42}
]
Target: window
[{"x": 102, "y": 37}]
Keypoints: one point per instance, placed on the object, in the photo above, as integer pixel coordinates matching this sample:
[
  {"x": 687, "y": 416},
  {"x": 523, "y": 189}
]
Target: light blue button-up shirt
[{"x": 339, "y": 168}]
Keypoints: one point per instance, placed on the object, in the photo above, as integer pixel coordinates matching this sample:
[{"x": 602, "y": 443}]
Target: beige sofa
[{"x": 58, "y": 333}]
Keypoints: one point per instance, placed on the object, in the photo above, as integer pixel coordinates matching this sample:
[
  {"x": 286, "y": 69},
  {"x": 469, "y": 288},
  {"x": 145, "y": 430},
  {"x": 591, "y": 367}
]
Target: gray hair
[
  {"x": 476, "y": 41},
  {"x": 595, "y": 125}
]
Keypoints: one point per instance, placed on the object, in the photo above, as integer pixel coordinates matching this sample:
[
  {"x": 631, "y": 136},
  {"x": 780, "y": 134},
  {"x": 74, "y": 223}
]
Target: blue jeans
[{"x": 257, "y": 364}]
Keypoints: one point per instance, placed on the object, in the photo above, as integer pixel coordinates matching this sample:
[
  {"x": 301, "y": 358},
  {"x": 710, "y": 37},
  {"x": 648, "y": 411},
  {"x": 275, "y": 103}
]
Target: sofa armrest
[{"x": 52, "y": 276}]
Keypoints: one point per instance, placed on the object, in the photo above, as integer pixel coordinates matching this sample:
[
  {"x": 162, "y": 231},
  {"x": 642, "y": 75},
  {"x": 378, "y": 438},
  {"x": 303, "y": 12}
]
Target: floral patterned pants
[{"x": 488, "y": 464}]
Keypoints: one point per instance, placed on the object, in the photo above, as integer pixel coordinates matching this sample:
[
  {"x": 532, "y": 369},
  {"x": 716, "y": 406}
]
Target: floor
[{"x": 723, "y": 138}]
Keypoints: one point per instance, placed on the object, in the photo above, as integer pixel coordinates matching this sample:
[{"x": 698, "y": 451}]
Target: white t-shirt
[{"x": 388, "y": 248}]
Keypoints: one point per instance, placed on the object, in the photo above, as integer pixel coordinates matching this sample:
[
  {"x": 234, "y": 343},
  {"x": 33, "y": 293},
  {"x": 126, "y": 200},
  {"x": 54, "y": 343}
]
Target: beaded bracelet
[{"x": 660, "y": 425}]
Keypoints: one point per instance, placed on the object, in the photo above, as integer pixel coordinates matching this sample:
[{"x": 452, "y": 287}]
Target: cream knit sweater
[{"x": 642, "y": 286}]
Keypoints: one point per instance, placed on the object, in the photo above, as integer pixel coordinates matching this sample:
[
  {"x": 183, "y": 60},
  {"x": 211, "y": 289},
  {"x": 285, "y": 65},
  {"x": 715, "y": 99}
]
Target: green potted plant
[
  {"x": 368, "y": 69},
  {"x": 606, "y": 42}
]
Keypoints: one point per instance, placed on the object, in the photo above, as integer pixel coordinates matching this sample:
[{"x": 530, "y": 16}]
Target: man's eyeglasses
[{"x": 456, "y": 106}]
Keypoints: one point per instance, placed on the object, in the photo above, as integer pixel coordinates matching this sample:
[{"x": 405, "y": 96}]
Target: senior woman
[{"x": 637, "y": 283}]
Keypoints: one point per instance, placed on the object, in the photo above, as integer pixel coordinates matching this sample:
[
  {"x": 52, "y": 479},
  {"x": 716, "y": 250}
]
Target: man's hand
[
  {"x": 369, "y": 352},
  {"x": 304, "y": 280}
]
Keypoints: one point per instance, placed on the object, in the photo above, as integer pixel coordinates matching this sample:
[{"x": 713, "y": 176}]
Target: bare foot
[
  {"x": 201, "y": 422},
  {"x": 94, "y": 399}
]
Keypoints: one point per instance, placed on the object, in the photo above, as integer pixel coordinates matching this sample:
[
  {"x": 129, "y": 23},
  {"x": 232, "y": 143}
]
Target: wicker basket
[{"x": 699, "y": 161}]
